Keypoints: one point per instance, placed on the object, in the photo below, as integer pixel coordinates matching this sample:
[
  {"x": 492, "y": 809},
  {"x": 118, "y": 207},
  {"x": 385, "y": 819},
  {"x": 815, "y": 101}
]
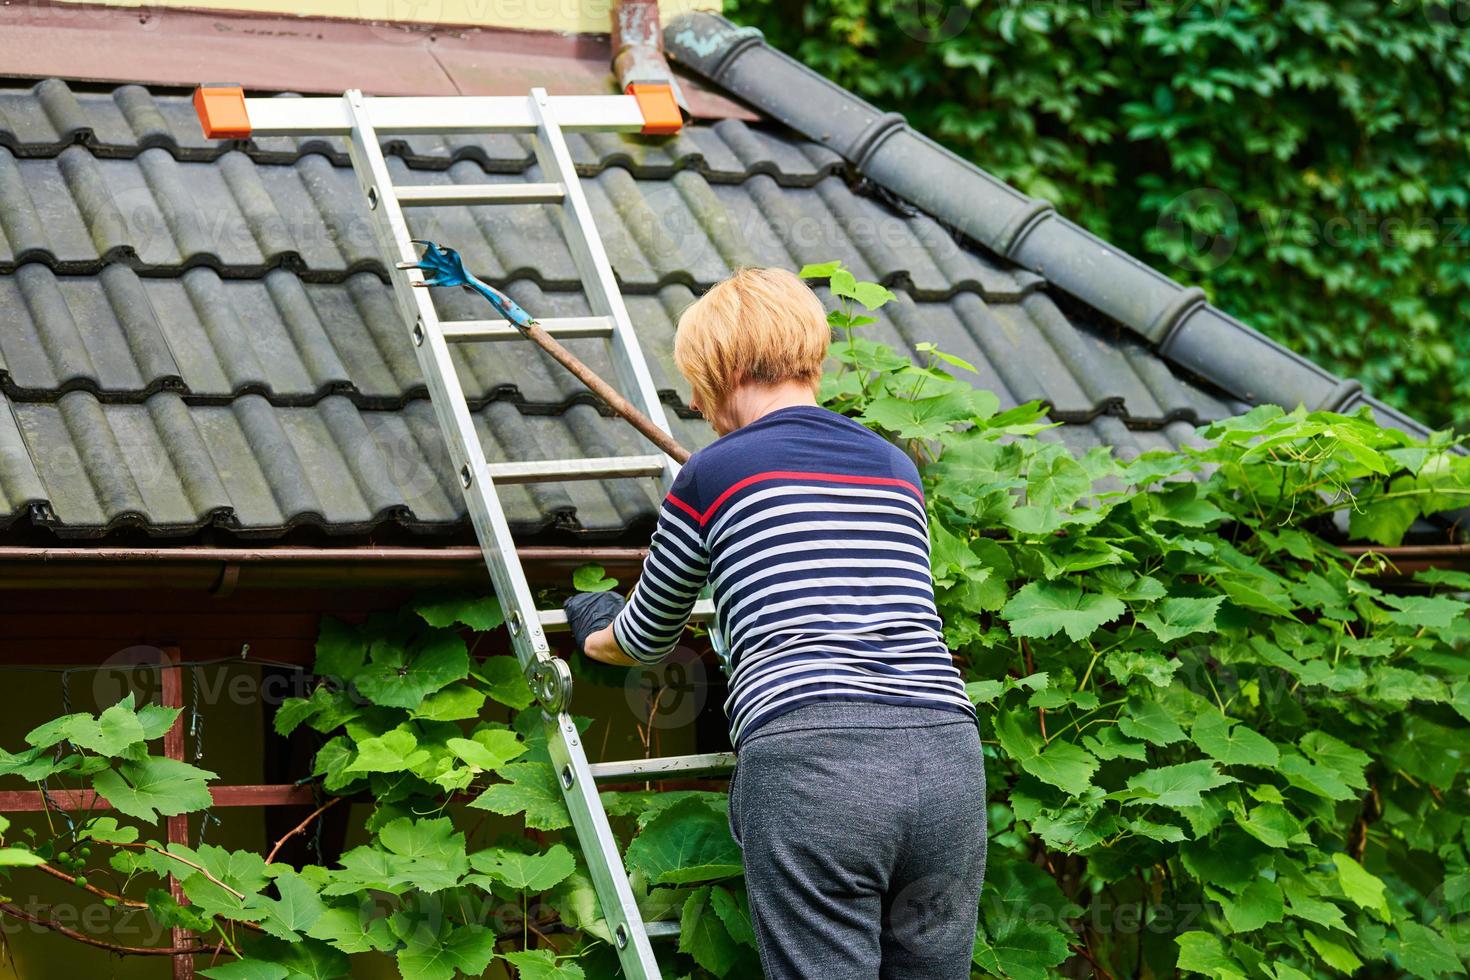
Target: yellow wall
[{"x": 571, "y": 16}]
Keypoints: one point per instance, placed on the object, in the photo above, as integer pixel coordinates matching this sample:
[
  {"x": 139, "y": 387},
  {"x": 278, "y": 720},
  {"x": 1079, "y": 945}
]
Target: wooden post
[{"x": 177, "y": 827}]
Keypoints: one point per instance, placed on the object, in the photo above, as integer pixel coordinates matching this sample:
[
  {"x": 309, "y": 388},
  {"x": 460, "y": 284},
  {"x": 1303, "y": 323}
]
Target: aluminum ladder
[{"x": 225, "y": 112}]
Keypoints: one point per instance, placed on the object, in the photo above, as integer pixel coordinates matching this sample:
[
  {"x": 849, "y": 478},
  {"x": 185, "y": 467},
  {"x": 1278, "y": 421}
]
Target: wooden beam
[
  {"x": 283, "y": 794},
  {"x": 177, "y": 827}
]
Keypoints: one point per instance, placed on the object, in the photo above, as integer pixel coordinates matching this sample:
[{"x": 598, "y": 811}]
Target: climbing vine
[{"x": 1217, "y": 743}]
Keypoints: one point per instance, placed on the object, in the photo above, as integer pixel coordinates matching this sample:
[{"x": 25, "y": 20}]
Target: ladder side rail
[
  {"x": 601, "y": 287},
  {"x": 589, "y": 819},
  {"x": 446, "y": 396}
]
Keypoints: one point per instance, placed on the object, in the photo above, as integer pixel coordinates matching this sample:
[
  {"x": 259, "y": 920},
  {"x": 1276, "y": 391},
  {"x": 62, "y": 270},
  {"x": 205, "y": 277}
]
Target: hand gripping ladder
[{"x": 226, "y": 113}]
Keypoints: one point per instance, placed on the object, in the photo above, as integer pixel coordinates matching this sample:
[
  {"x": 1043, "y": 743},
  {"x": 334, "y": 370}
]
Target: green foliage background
[
  {"x": 1303, "y": 161},
  {"x": 1216, "y": 744}
]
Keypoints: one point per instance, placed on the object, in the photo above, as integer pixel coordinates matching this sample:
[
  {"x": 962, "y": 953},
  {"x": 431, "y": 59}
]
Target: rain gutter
[{"x": 222, "y": 571}]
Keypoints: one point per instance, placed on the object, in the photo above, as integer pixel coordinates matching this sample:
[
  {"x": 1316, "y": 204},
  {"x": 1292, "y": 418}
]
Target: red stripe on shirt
[
  {"x": 684, "y": 507},
  {"x": 877, "y": 481}
]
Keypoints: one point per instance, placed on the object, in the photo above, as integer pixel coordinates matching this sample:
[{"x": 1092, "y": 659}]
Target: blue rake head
[{"x": 443, "y": 266}]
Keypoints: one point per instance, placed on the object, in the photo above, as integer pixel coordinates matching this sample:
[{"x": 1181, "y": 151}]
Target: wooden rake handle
[{"x": 538, "y": 336}]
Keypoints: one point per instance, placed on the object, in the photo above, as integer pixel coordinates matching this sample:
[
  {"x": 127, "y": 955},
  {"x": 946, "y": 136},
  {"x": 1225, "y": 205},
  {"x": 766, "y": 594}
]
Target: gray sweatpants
[{"x": 863, "y": 830}]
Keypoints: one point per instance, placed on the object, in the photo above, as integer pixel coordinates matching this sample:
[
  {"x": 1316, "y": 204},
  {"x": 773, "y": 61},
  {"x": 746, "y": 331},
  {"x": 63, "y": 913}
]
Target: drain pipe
[{"x": 638, "y": 48}]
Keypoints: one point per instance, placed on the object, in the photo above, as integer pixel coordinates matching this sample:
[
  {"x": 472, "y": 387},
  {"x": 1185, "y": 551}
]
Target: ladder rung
[
  {"x": 555, "y": 620},
  {"x": 551, "y": 470},
  {"x": 470, "y": 331},
  {"x": 427, "y": 196},
  {"x": 664, "y": 929},
  {"x": 662, "y": 768}
]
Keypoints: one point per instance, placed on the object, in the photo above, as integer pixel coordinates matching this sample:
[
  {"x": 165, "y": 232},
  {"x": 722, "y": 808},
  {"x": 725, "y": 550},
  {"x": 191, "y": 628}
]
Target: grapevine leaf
[
  {"x": 488, "y": 750},
  {"x": 1176, "y": 617},
  {"x": 732, "y": 910},
  {"x": 689, "y": 842},
  {"x": 506, "y": 682},
  {"x": 918, "y": 418},
  {"x": 1232, "y": 746},
  {"x": 479, "y": 613},
  {"x": 395, "y": 751},
  {"x": 542, "y": 964},
  {"x": 526, "y": 872},
  {"x": 1177, "y": 786},
  {"x": 250, "y": 969},
  {"x": 1258, "y": 905},
  {"x": 19, "y": 857},
  {"x": 1334, "y": 953},
  {"x": 454, "y": 703},
  {"x": 155, "y": 787},
  {"x": 1361, "y": 887},
  {"x": 468, "y": 948},
  {"x": 401, "y": 677},
  {"x": 296, "y": 911},
  {"x": 531, "y": 789},
  {"x": 704, "y": 937},
  {"x": 1061, "y": 764},
  {"x": 1148, "y": 721},
  {"x": 1203, "y": 952},
  {"x": 1424, "y": 952},
  {"x": 1040, "y": 609},
  {"x": 592, "y": 578}
]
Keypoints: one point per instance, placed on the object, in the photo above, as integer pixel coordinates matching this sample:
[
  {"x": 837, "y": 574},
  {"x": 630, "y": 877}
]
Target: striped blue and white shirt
[{"x": 813, "y": 533}]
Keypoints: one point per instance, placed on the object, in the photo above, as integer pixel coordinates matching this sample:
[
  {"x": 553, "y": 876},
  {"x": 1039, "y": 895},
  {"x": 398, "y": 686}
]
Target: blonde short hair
[{"x": 761, "y": 325}]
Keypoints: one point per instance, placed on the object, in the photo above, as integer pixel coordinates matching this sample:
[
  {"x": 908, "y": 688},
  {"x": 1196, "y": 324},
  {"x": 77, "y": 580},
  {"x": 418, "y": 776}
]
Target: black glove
[{"x": 588, "y": 612}]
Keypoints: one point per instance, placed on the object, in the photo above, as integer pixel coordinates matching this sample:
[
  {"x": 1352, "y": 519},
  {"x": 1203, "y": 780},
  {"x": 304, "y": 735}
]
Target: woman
[{"x": 859, "y": 796}]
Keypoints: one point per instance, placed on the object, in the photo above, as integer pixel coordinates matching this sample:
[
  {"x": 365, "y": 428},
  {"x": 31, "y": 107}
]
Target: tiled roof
[{"x": 200, "y": 334}]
